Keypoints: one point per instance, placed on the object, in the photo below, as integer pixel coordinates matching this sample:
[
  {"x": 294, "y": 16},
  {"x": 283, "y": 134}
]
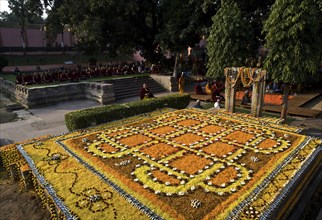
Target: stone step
[
  {"x": 132, "y": 94},
  {"x": 128, "y": 80},
  {"x": 118, "y": 87},
  {"x": 14, "y": 107},
  {"x": 130, "y": 87},
  {"x": 135, "y": 92},
  {"x": 131, "y": 82}
]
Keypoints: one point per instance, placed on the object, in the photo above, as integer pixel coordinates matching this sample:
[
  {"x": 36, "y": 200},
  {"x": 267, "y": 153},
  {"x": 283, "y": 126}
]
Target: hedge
[{"x": 98, "y": 115}]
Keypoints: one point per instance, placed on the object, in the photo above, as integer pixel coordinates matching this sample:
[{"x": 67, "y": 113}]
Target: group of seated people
[
  {"x": 79, "y": 73},
  {"x": 278, "y": 88},
  {"x": 213, "y": 88},
  {"x": 274, "y": 87}
]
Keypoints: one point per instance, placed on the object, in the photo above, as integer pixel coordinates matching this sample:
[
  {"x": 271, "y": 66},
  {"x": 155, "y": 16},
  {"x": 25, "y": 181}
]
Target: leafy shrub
[{"x": 93, "y": 116}]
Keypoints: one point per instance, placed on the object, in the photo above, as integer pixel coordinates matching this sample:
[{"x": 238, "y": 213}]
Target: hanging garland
[
  {"x": 246, "y": 75},
  {"x": 231, "y": 76}
]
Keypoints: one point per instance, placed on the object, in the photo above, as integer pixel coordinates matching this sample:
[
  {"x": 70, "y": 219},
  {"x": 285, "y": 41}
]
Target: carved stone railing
[
  {"x": 47, "y": 95},
  {"x": 170, "y": 83}
]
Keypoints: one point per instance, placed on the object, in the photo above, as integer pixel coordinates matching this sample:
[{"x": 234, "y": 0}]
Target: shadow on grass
[{"x": 289, "y": 119}]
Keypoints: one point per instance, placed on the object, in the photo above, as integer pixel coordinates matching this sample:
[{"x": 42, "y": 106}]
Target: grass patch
[
  {"x": 8, "y": 76},
  {"x": 289, "y": 119},
  {"x": 208, "y": 105}
]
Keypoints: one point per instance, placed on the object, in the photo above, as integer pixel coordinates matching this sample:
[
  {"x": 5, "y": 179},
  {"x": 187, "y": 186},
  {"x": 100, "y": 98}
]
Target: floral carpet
[{"x": 183, "y": 164}]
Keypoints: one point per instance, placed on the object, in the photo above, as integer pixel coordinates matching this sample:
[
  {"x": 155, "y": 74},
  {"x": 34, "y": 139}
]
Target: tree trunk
[
  {"x": 285, "y": 102},
  {"x": 175, "y": 69},
  {"x": 62, "y": 42},
  {"x": 22, "y": 32}
]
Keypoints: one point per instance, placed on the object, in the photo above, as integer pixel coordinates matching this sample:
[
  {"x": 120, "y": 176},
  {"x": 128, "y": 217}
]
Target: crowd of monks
[{"x": 79, "y": 73}]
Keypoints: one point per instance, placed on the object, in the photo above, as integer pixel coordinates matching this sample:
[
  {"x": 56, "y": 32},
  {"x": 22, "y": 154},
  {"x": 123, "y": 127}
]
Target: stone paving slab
[{"x": 48, "y": 120}]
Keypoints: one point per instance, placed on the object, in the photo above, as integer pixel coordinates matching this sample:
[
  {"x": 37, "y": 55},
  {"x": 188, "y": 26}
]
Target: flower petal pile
[{"x": 183, "y": 164}]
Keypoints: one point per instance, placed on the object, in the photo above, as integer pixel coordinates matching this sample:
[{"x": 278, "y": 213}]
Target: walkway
[{"x": 47, "y": 120}]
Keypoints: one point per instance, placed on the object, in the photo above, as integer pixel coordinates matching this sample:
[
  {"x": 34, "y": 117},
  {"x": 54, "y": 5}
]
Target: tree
[
  {"x": 124, "y": 25},
  {"x": 177, "y": 32},
  {"x": 293, "y": 37},
  {"x": 56, "y": 20},
  {"x": 8, "y": 18},
  {"x": 256, "y": 12},
  {"x": 230, "y": 40},
  {"x": 116, "y": 24},
  {"x": 25, "y": 11}
]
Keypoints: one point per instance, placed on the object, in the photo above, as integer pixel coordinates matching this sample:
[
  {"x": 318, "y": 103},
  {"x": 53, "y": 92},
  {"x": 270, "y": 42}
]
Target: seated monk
[
  {"x": 27, "y": 79},
  {"x": 216, "y": 95},
  {"x": 145, "y": 92},
  {"x": 47, "y": 78},
  {"x": 199, "y": 90},
  {"x": 36, "y": 78},
  {"x": 55, "y": 75},
  {"x": 209, "y": 89},
  {"x": 19, "y": 79},
  {"x": 73, "y": 76},
  {"x": 63, "y": 76}
]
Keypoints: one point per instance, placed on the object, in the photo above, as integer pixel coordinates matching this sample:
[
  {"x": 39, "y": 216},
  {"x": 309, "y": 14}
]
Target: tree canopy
[
  {"x": 25, "y": 11},
  {"x": 233, "y": 28},
  {"x": 148, "y": 26},
  {"x": 230, "y": 40},
  {"x": 293, "y": 37}
]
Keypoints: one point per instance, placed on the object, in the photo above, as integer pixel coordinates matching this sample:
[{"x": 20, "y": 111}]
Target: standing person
[
  {"x": 145, "y": 92},
  {"x": 181, "y": 83}
]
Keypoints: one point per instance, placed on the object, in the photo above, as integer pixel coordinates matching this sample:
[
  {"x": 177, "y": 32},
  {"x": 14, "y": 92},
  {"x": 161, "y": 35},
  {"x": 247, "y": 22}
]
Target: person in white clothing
[{"x": 217, "y": 104}]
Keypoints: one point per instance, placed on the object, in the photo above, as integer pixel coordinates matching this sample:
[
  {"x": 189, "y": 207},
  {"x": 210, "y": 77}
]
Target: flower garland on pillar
[{"x": 247, "y": 76}]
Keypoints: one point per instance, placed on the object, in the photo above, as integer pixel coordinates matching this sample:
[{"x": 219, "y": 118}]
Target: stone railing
[
  {"x": 170, "y": 83},
  {"x": 7, "y": 88},
  {"x": 47, "y": 95},
  {"x": 100, "y": 92}
]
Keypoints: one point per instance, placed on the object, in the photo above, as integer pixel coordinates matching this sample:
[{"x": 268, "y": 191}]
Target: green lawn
[
  {"x": 8, "y": 76},
  {"x": 44, "y": 59},
  {"x": 289, "y": 119}
]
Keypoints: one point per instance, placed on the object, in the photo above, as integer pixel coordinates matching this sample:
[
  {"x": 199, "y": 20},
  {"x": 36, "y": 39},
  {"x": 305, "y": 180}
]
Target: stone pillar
[
  {"x": 230, "y": 94},
  {"x": 258, "y": 97}
]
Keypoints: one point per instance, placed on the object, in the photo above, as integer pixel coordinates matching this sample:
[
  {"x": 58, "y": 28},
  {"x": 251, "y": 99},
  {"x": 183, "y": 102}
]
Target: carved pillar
[
  {"x": 255, "y": 100},
  {"x": 230, "y": 94},
  {"x": 258, "y": 97}
]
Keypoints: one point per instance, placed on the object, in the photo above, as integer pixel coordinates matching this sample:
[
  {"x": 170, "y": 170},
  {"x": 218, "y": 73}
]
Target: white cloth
[{"x": 217, "y": 105}]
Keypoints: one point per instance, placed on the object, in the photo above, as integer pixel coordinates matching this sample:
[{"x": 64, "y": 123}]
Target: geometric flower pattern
[
  {"x": 195, "y": 147},
  {"x": 164, "y": 163},
  {"x": 95, "y": 200}
]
